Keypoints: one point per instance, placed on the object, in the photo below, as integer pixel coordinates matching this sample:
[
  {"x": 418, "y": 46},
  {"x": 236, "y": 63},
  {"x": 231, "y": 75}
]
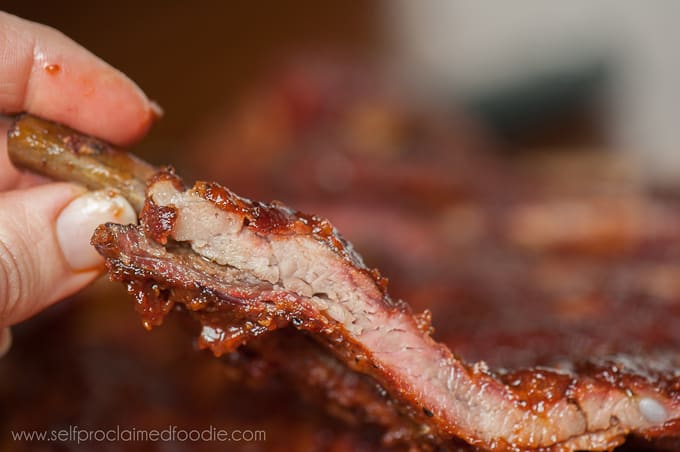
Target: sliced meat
[{"x": 245, "y": 268}]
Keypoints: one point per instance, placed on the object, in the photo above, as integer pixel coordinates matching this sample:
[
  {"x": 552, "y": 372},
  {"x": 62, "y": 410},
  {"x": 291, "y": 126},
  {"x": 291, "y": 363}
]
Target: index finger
[{"x": 45, "y": 73}]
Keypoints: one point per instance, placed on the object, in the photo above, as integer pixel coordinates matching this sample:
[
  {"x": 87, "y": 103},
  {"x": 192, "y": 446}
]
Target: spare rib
[{"x": 245, "y": 268}]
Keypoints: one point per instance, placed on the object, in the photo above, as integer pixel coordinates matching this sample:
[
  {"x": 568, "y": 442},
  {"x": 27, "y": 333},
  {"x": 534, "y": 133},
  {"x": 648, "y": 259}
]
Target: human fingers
[
  {"x": 47, "y": 74},
  {"x": 45, "y": 253}
]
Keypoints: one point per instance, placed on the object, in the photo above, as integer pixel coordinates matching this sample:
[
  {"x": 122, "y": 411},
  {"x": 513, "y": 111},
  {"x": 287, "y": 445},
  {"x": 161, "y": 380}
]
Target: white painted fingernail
[
  {"x": 5, "y": 341},
  {"x": 80, "y": 218}
]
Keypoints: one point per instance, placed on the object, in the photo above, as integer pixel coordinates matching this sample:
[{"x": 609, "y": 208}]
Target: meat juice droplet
[{"x": 52, "y": 69}]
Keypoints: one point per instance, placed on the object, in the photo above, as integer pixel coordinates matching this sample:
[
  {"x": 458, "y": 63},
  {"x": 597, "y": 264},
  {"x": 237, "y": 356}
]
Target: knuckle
[{"x": 14, "y": 286}]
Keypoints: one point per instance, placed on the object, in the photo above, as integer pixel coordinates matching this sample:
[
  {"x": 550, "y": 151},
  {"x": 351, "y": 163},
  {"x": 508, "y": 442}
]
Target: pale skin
[{"x": 49, "y": 75}]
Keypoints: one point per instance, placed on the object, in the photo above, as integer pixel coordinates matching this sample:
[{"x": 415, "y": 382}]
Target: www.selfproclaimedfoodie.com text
[{"x": 172, "y": 433}]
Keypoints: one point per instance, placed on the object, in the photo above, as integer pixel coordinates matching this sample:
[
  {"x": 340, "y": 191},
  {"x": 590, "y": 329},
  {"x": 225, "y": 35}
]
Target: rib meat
[{"x": 245, "y": 268}]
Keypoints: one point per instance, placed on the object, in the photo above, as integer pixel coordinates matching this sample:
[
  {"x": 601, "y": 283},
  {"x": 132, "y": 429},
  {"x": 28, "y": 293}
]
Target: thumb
[{"x": 45, "y": 252}]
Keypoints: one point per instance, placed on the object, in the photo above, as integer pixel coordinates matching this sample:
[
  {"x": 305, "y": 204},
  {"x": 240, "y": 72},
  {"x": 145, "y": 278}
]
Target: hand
[{"x": 45, "y": 228}]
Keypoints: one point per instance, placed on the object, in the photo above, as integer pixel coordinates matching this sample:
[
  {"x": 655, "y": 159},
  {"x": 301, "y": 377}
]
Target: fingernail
[
  {"x": 5, "y": 341},
  {"x": 156, "y": 109},
  {"x": 80, "y": 218}
]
